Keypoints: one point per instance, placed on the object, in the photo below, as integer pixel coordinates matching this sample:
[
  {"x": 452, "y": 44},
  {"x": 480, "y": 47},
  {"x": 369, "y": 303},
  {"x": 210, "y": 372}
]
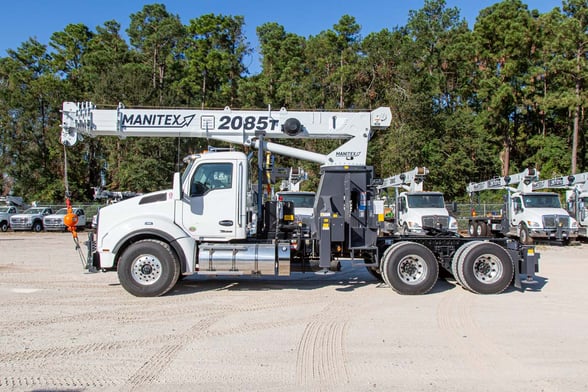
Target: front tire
[
  {"x": 410, "y": 268},
  {"x": 4, "y": 226},
  {"x": 37, "y": 227},
  {"x": 524, "y": 236},
  {"x": 148, "y": 268}
]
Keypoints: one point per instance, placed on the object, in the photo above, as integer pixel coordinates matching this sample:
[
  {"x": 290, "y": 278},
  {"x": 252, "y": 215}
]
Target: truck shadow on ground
[{"x": 343, "y": 281}]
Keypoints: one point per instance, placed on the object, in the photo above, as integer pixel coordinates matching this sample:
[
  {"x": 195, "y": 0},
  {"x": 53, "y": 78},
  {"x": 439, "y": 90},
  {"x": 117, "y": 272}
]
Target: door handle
[{"x": 226, "y": 223}]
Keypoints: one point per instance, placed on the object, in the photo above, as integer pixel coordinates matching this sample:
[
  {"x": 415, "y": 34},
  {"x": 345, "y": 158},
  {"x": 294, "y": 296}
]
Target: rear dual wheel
[
  {"x": 409, "y": 268},
  {"x": 483, "y": 267}
]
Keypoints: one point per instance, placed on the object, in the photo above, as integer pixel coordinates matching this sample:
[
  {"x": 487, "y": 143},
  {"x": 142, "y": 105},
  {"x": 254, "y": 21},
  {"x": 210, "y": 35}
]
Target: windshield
[
  {"x": 62, "y": 211},
  {"x": 33, "y": 211},
  {"x": 299, "y": 200},
  {"x": 426, "y": 201},
  {"x": 542, "y": 201}
]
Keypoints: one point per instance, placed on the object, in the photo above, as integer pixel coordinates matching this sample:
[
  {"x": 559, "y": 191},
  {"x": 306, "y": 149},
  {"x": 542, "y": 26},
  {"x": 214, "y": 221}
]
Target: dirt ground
[{"x": 68, "y": 330}]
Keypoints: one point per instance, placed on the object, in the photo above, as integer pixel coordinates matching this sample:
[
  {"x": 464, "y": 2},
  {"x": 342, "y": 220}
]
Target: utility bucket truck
[
  {"x": 416, "y": 211},
  {"x": 213, "y": 221},
  {"x": 526, "y": 214},
  {"x": 576, "y": 186}
]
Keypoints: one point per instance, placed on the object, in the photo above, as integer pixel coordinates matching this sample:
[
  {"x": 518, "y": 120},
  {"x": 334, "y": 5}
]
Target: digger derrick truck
[
  {"x": 576, "y": 186},
  {"x": 214, "y": 222},
  {"x": 526, "y": 215},
  {"x": 415, "y": 210}
]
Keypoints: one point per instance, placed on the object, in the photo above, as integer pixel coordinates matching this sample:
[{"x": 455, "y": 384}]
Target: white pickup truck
[
  {"x": 54, "y": 222},
  {"x": 30, "y": 219},
  {"x": 5, "y": 213}
]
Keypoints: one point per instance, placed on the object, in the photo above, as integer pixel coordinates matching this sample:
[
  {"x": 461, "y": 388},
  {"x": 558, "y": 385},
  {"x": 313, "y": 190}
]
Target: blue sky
[{"x": 23, "y": 19}]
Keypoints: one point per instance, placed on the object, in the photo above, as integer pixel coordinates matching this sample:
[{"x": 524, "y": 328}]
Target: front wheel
[
  {"x": 410, "y": 268},
  {"x": 4, "y": 226},
  {"x": 524, "y": 236},
  {"x": 148, "y": 268},
  {"x": 37, "y": 227}
]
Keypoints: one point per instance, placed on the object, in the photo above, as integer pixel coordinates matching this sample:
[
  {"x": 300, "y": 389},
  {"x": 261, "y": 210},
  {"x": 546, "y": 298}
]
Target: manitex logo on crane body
[
  {"x": 157, "y": 120},
  {"x": 349, "y": 155}
]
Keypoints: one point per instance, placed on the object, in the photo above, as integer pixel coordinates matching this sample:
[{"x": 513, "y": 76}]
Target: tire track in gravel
[
  {"x": 456, "y": 322},
  {"x": 63, "y": 383},
  {"x": 128, "y": 314},
  {"x": 200, "y": 329},
  {"x": 321, "y": 361}
]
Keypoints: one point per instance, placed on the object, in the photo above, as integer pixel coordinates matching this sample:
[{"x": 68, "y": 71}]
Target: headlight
[
  {"x": 573, "y": 223},
  {"x": 414, "y": 225},
  {"x": 452, "y": 224},
  {"x": 533, "y": 224}
]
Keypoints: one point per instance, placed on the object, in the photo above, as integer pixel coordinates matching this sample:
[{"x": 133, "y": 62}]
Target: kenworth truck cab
[{"x": 215, "y": 221}]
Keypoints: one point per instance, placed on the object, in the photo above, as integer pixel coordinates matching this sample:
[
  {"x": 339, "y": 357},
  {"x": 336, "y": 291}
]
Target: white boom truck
[
  {"x": 526, "y": 215},
  {"x": 576, "y": 186},
  {"x": 213, "y": 222},
  {"x": 415, "y": 210}
]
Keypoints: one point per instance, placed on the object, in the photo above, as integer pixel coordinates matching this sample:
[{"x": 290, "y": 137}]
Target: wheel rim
[
  {"x": 523, "y": 235},
  {"x": 146, "y": 269},
  {"x": 412, "y": 269},
  {"x": 488, "y": 268}
]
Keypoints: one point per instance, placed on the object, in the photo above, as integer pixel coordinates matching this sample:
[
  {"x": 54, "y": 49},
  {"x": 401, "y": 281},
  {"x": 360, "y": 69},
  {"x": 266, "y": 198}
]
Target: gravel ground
[{"x": 68, "y": 330}]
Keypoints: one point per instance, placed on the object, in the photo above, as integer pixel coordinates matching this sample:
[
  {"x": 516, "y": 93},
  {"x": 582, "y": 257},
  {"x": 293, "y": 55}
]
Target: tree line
[{"x": 469, "y": 104}]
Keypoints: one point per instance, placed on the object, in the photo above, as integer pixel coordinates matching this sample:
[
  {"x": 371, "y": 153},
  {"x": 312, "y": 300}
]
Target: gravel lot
[{"x": 65, "y": 329}]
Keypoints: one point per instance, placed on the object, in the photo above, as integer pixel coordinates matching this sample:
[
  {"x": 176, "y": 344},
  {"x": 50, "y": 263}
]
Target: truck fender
[{"x": 122, "y": 236}]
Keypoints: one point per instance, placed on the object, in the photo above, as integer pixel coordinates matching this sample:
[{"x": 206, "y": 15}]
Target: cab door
[
  {"x": 210, "y": 208},
  {"x": 516, "y": 212}
]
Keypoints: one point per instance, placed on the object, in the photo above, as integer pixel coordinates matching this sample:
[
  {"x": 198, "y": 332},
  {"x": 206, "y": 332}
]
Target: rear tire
[
  {"x": 456, "y": 260},
  {"x": 485, "y": 268},
  {"x": 148, "y": 268},
  {"x": 481, "y": 229},
  {"x": 410, "y": 268},
  {"x": 472, "y": 229}
]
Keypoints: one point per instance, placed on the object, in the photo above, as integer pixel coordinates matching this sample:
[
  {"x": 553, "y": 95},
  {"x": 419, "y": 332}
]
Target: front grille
[
  {"x": 18, "y": 220},
  {"x": 54, "y": 222},
  {"x": 435, "y": 221},
  {"x": 555, "y": 221}
]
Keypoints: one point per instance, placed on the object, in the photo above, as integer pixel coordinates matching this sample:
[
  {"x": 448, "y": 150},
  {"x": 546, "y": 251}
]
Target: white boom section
[
  {"x": 233, "y": 126},
  {"x": 525, "y": 180},
  {"x": 563, "y": 181},
  {"x": 411, "y": 181}
]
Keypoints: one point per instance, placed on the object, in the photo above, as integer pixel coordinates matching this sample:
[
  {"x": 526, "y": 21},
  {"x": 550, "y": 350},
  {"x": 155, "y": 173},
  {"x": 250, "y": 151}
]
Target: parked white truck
[
  {"x": 54, "y": 222},
  {"x": 576, "y": 186},
  {"x": 214, "y": 222},
  {"x": 5, "y": 213},
  {"x": 415, "y": 211},
  {"x": 526, "y": 214},
  {"x": 30, "y": 219}
]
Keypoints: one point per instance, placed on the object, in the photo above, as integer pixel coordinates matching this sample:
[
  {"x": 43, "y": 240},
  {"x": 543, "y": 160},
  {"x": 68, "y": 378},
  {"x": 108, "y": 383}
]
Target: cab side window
[{"x": 211, "y": 176}]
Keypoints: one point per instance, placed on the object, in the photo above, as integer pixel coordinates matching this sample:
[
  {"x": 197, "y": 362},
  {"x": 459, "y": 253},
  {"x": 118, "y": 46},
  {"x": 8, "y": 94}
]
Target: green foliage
[{"x": 469, "y": 104}]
